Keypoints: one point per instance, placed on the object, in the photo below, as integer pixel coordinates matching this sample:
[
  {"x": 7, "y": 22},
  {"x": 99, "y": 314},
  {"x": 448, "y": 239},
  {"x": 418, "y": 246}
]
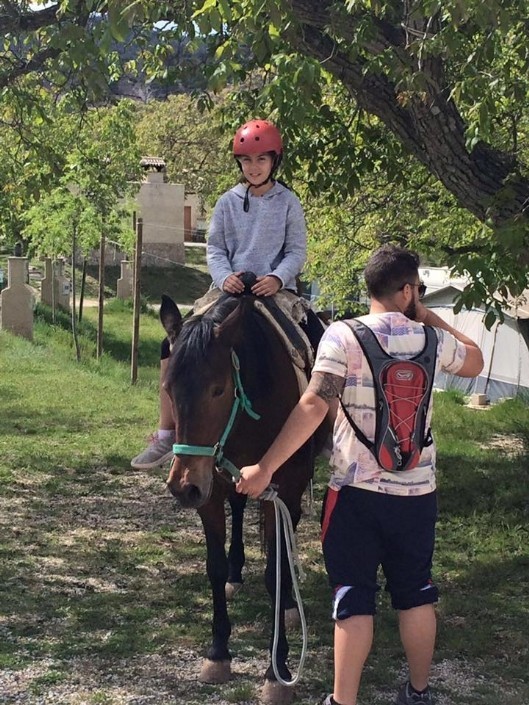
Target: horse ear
[{"x": 170, "y": 317}]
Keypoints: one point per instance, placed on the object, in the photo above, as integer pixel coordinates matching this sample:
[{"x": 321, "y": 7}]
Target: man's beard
[{"x": 411, "y": 310}]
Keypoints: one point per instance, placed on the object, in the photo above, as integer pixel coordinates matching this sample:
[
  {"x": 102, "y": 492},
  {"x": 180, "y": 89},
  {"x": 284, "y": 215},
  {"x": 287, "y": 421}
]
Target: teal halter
[{"x": 240, "y": 401}]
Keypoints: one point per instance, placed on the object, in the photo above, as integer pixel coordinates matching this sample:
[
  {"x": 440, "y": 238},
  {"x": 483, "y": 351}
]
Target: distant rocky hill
[{"x": 186, "y": 72}]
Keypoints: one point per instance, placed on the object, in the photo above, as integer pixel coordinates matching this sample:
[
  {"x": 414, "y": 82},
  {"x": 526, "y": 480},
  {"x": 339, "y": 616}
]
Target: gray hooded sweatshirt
[{"x": 270, "y": 238}]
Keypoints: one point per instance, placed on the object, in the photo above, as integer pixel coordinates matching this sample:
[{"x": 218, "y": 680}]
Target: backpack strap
[
  {"x": 358, "y": 431},
  {"x": 358, "y": 329}
]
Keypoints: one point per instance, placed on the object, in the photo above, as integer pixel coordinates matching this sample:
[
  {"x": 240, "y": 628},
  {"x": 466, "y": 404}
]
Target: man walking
[{"x": 373, "y": 517}]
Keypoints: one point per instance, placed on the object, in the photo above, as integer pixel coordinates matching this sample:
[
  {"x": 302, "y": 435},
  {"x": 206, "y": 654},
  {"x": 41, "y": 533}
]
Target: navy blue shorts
[{"x": 362, "y": 530}]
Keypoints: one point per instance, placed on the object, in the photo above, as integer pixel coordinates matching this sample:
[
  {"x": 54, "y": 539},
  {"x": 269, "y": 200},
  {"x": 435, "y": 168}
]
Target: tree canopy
[
  {"x": 376, "y": 82},
  {"x": 361, "y": 89},
  {"x": 192, "y": 144},
  {"x": 49, "y": 147}
]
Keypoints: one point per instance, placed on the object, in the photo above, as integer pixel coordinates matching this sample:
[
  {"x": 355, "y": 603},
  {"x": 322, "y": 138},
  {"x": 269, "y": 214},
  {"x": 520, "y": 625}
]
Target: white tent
[{"x": 505, "y": 346}]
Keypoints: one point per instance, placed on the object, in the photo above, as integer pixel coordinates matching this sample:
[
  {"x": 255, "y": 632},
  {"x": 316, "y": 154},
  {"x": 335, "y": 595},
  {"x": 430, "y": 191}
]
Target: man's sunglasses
[{"x": 421, "y": 288}]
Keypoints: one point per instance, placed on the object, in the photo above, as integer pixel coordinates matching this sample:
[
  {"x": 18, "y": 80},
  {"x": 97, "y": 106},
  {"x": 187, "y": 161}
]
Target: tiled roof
[{"x": 152, "y": 161}]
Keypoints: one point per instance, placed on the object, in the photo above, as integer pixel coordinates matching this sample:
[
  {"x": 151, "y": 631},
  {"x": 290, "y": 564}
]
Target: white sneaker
[{"x": 159, "y": 452}]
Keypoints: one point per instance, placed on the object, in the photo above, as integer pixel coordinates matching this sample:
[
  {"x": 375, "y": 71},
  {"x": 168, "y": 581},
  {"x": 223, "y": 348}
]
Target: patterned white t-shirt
[{"x": 339, "y": 353}]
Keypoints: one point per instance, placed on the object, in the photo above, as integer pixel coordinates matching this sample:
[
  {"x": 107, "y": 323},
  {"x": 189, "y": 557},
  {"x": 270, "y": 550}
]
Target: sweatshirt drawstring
[{"x": 246, "y": 205}]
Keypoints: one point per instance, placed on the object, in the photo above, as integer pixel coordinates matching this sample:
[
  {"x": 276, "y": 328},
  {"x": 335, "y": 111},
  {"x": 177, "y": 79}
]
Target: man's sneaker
[
  {"x": 407, "y": 696},
  {"x": 159, "y": 451}
]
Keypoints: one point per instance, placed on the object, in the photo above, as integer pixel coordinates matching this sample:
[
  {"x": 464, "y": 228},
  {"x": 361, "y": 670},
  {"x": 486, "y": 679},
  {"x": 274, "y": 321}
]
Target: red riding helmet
[{"x": 257, "y": 137}]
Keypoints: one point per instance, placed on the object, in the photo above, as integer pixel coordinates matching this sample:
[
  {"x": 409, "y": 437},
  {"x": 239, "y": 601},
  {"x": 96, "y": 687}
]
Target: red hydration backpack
[{"x": 402, "y": 394}]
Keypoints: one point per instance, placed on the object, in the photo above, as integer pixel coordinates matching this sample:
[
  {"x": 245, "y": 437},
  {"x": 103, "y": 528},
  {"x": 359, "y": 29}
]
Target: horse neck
[{"x": 279, "y": 396}]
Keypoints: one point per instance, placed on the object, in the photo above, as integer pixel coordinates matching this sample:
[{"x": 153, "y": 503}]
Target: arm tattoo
[{"x": 326, "y": 385}]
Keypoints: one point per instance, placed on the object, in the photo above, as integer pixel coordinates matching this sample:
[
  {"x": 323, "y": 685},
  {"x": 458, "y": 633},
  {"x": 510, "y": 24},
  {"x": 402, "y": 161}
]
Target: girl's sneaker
[{"x": 158, "y": 452}]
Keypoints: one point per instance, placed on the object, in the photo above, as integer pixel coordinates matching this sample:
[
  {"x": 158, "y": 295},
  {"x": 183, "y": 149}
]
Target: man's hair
[{"x": 388, "y": 269}]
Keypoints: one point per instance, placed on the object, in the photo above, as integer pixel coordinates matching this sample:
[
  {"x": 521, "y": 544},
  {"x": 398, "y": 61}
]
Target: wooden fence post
[
  {"x": 101, "y": 298},
  {"x": 137, "y": 302}
]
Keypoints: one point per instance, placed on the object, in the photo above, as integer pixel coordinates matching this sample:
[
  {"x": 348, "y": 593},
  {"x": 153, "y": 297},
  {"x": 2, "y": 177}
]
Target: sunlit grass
[{"x": 97, "y": 563}]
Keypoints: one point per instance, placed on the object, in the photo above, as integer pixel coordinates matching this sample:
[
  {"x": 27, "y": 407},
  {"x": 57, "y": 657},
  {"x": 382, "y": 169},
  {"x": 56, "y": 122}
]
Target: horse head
[{"x": 201, "y": 383}]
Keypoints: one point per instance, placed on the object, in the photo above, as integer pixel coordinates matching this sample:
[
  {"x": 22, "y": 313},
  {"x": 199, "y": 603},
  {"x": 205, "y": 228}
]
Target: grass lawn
[{"x": 103, "y": 593}]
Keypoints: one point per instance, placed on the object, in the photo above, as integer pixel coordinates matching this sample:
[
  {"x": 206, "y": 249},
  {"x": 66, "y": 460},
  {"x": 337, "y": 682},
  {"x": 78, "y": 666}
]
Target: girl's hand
[
  {"x": 233, "y": 284},
  {"x": 266, "y": 286}
]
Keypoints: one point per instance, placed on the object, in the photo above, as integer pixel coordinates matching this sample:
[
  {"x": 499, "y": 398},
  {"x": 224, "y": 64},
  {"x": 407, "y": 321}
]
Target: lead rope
[{"x": 282, "y": 513}]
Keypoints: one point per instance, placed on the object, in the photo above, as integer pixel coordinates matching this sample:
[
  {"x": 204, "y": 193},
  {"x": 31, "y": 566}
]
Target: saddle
[{"x": 284, "y": 312}]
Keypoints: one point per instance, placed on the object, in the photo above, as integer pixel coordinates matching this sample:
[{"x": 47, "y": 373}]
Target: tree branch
[
  {"x": 16, "y": 23},
  {"x": 13, "y": 21},
  {"x": 23, "y": 68},
  {"x": 426, "y": 122}
]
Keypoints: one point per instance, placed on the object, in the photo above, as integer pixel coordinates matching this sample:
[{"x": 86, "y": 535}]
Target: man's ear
[{"x": 406, "y": 292}]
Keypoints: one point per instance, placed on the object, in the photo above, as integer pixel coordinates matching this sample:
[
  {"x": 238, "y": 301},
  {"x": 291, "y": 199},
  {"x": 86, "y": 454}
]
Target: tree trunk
[
  {"x": 137, "y": 302},
  {"x": 427, "y": 122}
]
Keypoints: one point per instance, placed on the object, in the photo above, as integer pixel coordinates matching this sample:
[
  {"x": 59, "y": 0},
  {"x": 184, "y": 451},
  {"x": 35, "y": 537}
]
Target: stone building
[
  {"x": 170, "y": 217},
  {"x": 161, "y": 205},
  {"x": 194, "y": 220}
]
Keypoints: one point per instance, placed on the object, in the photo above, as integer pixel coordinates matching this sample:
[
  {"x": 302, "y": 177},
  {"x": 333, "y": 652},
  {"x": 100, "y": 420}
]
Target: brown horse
[{"x": 205, "y": 379}]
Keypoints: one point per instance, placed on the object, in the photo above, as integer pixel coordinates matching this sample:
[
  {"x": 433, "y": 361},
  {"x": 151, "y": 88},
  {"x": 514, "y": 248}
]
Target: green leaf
[
  {"x": 490, "y": 319},
  {"x": 206, "y": 6},
  {"x": 118, "y": 22},
  {"x": 225, "y": 9}
]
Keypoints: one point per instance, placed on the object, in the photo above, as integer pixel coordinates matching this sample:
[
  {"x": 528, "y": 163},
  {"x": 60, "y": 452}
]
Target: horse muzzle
[{"x": 191, "y": 484}]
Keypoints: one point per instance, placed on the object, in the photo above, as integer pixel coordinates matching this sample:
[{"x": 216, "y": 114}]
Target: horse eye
[{"x": 218, "y": 391}]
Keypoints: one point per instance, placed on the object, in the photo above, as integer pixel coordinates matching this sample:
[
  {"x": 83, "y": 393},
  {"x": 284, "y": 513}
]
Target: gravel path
[{"x": 103, "y": 548}]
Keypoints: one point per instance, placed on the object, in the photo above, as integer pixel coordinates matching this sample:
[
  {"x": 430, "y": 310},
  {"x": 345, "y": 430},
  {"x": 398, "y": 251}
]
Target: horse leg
[
  {"x": 273, "y": 692},
  {"x": 216, "y": 666},
  {"x": 292, "y": 618},
  {"x": 289, "y": 604},
  {"x": 236, "y": 557}
]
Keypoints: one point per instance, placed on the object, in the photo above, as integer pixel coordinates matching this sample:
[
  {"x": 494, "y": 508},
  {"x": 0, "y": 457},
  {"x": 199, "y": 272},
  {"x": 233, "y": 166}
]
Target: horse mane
[
  {"x": 192, "y": 351},
  {"x": 195, "y": 337}
]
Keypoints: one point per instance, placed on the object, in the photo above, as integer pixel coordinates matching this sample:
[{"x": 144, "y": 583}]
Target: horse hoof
[
  {"x": 231, "y": 590},
  {"x": 292, "y": 618},
  {"x": 215, "y": 672},
  {"x": 273, "y": 693}
]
